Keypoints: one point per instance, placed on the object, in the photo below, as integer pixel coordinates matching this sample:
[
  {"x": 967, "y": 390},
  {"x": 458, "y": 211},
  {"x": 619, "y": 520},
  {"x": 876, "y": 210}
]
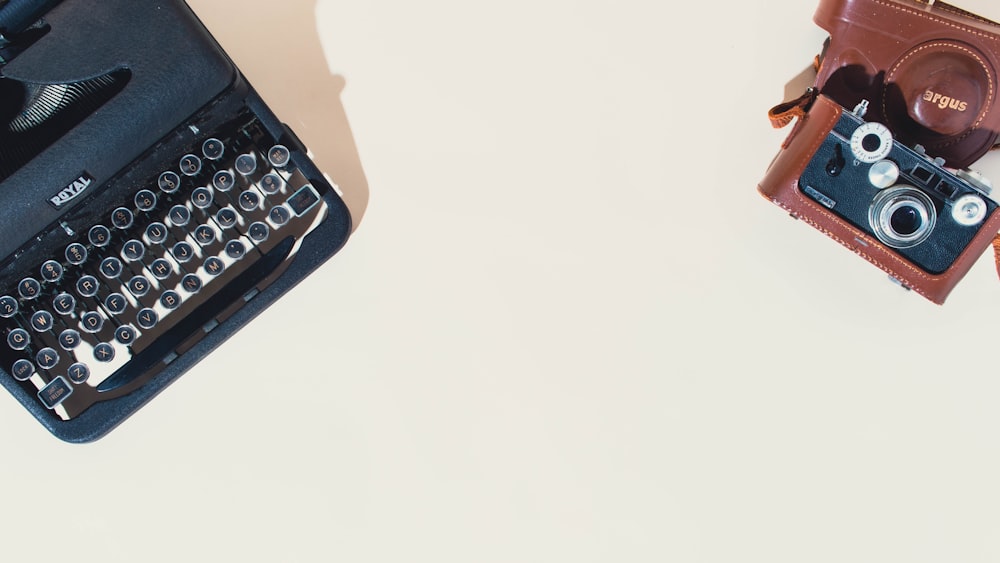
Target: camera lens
[
  {"x": 906, "y": 220},
  {"x": 902, "y": 217}
]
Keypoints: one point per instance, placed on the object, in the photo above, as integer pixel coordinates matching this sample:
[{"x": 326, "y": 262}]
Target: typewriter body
[{"x": 151, "y": 205}]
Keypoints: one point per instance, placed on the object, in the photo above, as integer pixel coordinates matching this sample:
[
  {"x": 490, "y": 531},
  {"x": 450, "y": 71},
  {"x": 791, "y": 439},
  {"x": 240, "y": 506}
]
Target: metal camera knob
[
  {"x": 883, "y": 174},
  {"x": 969, "y": 210},
  {"x": 871, "y": 142}
]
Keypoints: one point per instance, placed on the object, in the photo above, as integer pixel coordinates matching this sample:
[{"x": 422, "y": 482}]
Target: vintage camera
[
  {"x": 922, "y": 223},
  {"x": 904, "y": 102}
]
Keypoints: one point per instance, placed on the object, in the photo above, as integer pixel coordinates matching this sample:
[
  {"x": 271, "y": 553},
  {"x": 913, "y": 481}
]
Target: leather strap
[
  {"x": 786, "y": 112},
  {"x": 996, "y": 251}
]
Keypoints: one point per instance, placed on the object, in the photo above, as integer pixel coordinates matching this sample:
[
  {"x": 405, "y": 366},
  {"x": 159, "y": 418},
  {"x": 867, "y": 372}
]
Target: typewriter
[{"x": 152, "y": 204}]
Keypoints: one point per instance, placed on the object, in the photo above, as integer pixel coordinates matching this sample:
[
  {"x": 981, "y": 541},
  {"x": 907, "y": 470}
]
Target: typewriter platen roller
[{"x": 152, "y": 204}]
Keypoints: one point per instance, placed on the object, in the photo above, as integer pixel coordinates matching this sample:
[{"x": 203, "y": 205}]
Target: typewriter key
[
  {"x": 191, "y": 283},
  {"x": 76, "y": 254},
  {"x": 125, "y": 334},
  {"x": 169, "y": 182},
  {"x": 51, "y": 271},
  {"x": 182, "y": 251},
  {"x": 41, "y": 321},
  {"x": 8, "y": 306},
  {"x": 69, "y": 339},
  {"x": 133, "y": 250},
  {"x": 258, "y": 232},
  {"x": 18, "y": 339},
  {"x": 78, "y": 373},
  {"x": 47, "y": 358},
  {"x": 64, "y": 303},
  {"x": 87, "y": 286},
  {"x": 246, "y": 164},
  {"x": 179, "y": 215},
  {"x": 139, "y": 286},
  {"x": 22, "y": 370},
  {"x": 161, "y": 269},
  {"x": 303, "y": 200},
  {"x": 279, "y": 215},
  {"x": 214, "y": 266},
  {"x": 278, "y": 156},
  {"x": 104, "y": 352},
  {"x": 145, "y": 200},
  {"x": 235, "y": 249},
  {"x": 115, "y": 303},
  {"x": 99, "y": 235},
  {"x": 57, "y": 391},
  {"x": 111, "y": 267},
  {"x": 156, "y": 233},
  {"x": 271, "y": 183},
  {"x": 201, "y": 197},
  {"x": 249, "y": 200},
  {"x": 121, "y": 218},
  {"x": 147, "y": 319},
  {"x": 190, "y": 165},
  {"x": 29, "y": 288},
  {"x": 170, "y": 300},
  {"x": 226, "y": 217},
  {"x": 92, "y": 322},
  {"x": 205, "y": 235},
  {"x": 213, "y": 149},
  {"x": 223, "y": 180}
]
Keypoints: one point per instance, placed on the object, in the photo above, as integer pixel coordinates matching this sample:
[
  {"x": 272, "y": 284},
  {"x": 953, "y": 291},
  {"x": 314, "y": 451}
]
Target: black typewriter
[{"x": 152, "y": 205}]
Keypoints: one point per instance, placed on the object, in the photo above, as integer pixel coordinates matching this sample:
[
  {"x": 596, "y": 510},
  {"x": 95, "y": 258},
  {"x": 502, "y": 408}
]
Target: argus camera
[{"x": 904, "y": 102}]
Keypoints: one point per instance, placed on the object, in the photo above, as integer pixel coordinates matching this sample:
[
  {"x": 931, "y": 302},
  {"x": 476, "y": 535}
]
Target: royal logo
[
  {"x": 72, "y": 191},
  {"x": 945, "y": 102}
]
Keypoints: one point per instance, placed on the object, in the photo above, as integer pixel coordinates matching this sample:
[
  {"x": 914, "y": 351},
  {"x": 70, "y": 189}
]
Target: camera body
[
  {"x": 928, "y": 69},
  {"x": 905, "y": 100},
  {"x": 902, "y": 210}
]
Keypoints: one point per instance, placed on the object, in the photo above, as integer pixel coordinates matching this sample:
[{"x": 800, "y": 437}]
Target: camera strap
[
  {"x": 996, "y": 251},
  {"x": 785, "y": 112}
]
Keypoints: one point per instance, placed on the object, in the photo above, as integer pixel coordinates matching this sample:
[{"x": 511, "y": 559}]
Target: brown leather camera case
[
  {"x": 780, "y": 185},
  {"x": 929, "y": 71}
]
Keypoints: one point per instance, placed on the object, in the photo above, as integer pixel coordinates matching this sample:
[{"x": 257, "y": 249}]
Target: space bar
[{"x": 200, "y": 318}]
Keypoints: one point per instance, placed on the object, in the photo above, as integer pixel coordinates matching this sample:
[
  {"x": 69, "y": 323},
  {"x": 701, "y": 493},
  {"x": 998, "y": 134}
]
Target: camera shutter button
[{"x": 883, "y": 174}]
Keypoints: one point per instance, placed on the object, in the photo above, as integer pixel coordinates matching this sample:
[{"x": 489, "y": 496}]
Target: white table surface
[{"x": 566, "y": 329}]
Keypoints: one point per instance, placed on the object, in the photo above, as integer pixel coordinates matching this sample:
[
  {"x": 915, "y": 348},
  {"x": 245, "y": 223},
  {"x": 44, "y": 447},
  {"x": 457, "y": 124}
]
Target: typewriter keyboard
[{"x": 125, "y": 296}]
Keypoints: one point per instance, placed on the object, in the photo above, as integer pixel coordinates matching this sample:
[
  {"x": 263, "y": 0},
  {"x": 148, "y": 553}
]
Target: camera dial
[
  {"x": 969, "y": 210},
  {"x": 871, "y": 142},
  {"x": 902, "y": 217},
  {"x": 883, "y": 174}
]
